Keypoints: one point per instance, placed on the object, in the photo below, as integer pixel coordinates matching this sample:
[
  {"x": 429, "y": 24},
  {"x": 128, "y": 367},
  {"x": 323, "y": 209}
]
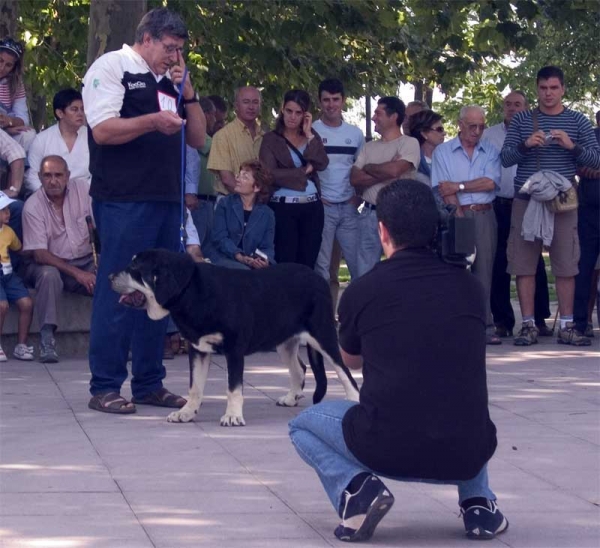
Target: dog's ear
[{"x": 170, "y": 279}]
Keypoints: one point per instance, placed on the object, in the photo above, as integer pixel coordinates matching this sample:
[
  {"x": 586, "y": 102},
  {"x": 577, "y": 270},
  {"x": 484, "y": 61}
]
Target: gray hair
[
  {"x": 238, "y": 90},
  {"x": 465, "y": 110},
  {"x": 161, "y": 21},
  {"x": 518, "y": 92}
]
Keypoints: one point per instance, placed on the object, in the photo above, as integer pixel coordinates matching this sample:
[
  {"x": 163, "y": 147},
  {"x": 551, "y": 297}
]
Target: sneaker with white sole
[
  {"x": 23, "y": 352},
  {"x": 484, "y": 523},
  {"x": 3, "y": 357},
  {"x": 362, "y": 511}
]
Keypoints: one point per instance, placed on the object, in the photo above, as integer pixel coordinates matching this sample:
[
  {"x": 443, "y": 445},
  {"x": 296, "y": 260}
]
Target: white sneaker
[
  {"x": 23, "y": 352},
  {"x": 3, "y": 357}
]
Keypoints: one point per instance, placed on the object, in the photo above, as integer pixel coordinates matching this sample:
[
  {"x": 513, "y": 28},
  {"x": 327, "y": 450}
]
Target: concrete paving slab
[{"x": 74, "y": 478}]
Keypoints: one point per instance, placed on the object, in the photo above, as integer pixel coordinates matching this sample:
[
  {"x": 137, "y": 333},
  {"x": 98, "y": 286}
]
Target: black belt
[
  {"x": 207, "y": 197},
  {"x": 372, "y": 207}
]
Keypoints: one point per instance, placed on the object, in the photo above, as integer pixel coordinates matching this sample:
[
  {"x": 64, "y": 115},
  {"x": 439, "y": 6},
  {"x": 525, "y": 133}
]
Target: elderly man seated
[{"x": 55, "y": 230}]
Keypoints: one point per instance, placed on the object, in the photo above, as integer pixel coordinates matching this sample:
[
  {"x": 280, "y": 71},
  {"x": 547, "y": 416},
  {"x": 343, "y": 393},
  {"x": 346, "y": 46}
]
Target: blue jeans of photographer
[{"x": 318, "y": 437}]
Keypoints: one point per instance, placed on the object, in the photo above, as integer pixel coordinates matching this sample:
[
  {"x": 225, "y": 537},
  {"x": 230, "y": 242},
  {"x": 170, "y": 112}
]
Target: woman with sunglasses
[
  {"x": 426, "y": 126},
  {"x": 14, "y": 116}
]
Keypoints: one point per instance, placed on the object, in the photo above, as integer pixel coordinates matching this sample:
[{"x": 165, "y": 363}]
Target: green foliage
[
  {"x": 55, "y": 34},
  {"x": 371, "y": 45}
]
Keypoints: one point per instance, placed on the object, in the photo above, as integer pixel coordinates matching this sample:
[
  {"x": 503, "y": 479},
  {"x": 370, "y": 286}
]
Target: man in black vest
[
  {"x": 423, "y": 411},
  {"x": 136, "y": 114}
]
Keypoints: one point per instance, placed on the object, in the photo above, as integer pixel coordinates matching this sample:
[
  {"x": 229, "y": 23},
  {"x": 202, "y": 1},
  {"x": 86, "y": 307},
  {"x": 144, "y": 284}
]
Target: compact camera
[
  {"x": 548, "y": 138},
  {"x": 258, "y": 254}
]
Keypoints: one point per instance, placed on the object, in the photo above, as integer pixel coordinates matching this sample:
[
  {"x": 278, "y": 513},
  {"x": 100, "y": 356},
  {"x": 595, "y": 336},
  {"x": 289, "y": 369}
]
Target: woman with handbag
[{"x": 294, "y": 153}]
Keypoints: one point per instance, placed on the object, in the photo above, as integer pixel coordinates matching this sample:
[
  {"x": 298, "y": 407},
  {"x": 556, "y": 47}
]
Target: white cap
[{"x": 4, "y": 200}]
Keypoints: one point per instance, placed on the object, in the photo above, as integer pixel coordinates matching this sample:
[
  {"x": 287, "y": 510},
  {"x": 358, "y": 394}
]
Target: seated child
[{"x": 12, "y": 288}]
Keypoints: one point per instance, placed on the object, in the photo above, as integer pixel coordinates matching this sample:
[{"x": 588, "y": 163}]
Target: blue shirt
[
  {"x": 451, "y": 162},
  {"x": 310, "y": 187}
]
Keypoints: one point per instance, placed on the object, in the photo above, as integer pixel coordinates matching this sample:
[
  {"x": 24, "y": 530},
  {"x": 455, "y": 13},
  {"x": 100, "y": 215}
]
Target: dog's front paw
[
  {"x": 291, "y": 399},
  {"x": 185, "y": 414},
  {"x": 232, "y": 420}
]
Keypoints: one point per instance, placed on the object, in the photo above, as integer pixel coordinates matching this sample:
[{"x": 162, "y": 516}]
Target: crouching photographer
[{"x": 416, "y": 326}]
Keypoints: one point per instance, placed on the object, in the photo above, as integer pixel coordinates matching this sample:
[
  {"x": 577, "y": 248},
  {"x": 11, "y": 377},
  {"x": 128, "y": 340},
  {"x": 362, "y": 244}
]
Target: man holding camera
[
  {"x": 423, "y": 412},
  {"x": 550, "y": 137},
  {"x": 466, "y": 171}
]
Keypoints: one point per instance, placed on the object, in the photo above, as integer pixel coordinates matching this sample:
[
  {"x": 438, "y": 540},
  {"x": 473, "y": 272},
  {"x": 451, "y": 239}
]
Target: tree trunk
[
  {"x": 112, "y": 24},
  {"x": 418, "y": 90},
  {"x": 369, "y": 135},
  {"x": 429, "y": 96},
  {"x": 9, "y": 10}
]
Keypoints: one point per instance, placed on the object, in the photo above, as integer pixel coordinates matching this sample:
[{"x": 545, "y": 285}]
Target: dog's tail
[{"x": 318, "y": 368}]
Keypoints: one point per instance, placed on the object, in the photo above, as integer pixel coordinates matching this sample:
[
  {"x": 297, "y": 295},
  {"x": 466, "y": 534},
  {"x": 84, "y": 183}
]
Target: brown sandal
[
  {"x": 161, "y": 398},
  {"x": 111, "y": 402}
]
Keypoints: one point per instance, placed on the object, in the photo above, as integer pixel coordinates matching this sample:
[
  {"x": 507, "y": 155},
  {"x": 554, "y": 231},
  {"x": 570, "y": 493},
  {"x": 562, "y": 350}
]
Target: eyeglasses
[
  {"x": 170, "y": 48},
  {"x": 439, "y": 129},
  {"x": 475, "y": 127}
]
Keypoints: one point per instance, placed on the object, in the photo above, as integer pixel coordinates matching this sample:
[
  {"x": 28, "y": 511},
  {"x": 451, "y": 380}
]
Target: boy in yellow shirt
[{"x": 12, "y": 288}]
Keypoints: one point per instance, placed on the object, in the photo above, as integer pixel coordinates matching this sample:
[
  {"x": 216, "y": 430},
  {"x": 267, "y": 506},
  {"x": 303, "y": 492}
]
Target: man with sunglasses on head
[
  {"x": 136, "y": 115},
  {"x": 466, "y": 171}
]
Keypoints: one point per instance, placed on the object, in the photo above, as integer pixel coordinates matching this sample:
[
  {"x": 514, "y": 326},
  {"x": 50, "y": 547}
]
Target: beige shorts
[{"x": 564, "y": 251}]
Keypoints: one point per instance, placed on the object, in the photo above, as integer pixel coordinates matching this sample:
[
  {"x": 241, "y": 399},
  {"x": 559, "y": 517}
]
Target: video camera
[{"x": 455, "y": 238}]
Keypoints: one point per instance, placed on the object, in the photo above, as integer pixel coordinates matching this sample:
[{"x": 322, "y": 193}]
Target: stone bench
[{"x": 72, "y": 336}]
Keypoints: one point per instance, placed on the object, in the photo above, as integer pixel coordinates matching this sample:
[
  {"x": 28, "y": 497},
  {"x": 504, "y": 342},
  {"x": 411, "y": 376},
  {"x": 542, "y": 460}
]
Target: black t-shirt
[
  {"x": 147, "y": 168},
  {"x": 419, "y": 324}
]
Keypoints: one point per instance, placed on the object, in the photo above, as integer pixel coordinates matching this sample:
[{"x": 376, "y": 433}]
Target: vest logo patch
[{"x": 136, "y": 85}]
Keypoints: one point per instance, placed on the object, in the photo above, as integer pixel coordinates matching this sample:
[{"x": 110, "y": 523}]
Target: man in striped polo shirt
[{"x": 563, "y": 140}]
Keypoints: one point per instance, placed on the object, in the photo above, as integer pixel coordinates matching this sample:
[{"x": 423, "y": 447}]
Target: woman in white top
[{"x": 67, "y": 139}]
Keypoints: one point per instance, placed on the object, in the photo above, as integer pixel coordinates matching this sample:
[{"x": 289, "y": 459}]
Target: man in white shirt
[
  {"x": 342, "y": 143},
  {"x": 68, "y": 139}
]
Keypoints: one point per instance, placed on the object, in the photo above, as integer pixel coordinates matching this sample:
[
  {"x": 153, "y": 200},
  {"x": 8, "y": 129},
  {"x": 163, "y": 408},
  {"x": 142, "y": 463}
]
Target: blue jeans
[
  {"x": 341, "y": 223},
  {"x": 369, "y": 245},
  {"x": 317, "y": 436},
  {"x": 126, "y": 228}
]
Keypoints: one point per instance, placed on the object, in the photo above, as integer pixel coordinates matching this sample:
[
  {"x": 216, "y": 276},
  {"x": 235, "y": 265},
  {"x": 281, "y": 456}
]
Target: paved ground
[{"x": 74, "y": 478}]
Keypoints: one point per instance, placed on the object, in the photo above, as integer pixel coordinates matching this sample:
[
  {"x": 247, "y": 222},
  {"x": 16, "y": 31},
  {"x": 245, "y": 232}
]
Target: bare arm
[
  {"x": 351, "y": 361},
  {"x": 86, "y": 279},
  {"x": 388, "y": 170},
  {"x": 360, "y": 179},
  {"x": 17, "y": 169},
  {"x": 116, "y": 131},
  {"x": 228, "y": 179}
]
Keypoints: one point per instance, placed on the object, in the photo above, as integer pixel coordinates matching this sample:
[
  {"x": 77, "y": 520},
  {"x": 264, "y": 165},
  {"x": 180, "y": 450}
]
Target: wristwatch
[
  {"x": 461, "y": 187},
  {"x": 13, "y": 189},
  {"x": 194, "y": 99}
]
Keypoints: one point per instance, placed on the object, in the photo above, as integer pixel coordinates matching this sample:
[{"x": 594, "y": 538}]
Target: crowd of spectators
[{"x": 306, "y": 192}]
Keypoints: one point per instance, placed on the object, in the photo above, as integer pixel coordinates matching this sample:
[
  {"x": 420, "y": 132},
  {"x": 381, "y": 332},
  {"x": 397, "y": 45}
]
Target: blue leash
[{"x": 182, "y": 217}]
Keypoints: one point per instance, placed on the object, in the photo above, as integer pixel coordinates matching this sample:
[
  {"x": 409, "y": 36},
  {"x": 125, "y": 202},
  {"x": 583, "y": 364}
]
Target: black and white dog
[{"x": 240, "y": 312}]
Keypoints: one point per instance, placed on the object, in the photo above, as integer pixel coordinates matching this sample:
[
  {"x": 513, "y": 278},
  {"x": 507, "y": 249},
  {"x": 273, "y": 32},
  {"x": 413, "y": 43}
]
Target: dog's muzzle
[{"x": 121, "y": 283}]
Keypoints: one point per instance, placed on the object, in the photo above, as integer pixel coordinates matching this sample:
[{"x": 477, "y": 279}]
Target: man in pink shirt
[{"x": 55, "y": 230}]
